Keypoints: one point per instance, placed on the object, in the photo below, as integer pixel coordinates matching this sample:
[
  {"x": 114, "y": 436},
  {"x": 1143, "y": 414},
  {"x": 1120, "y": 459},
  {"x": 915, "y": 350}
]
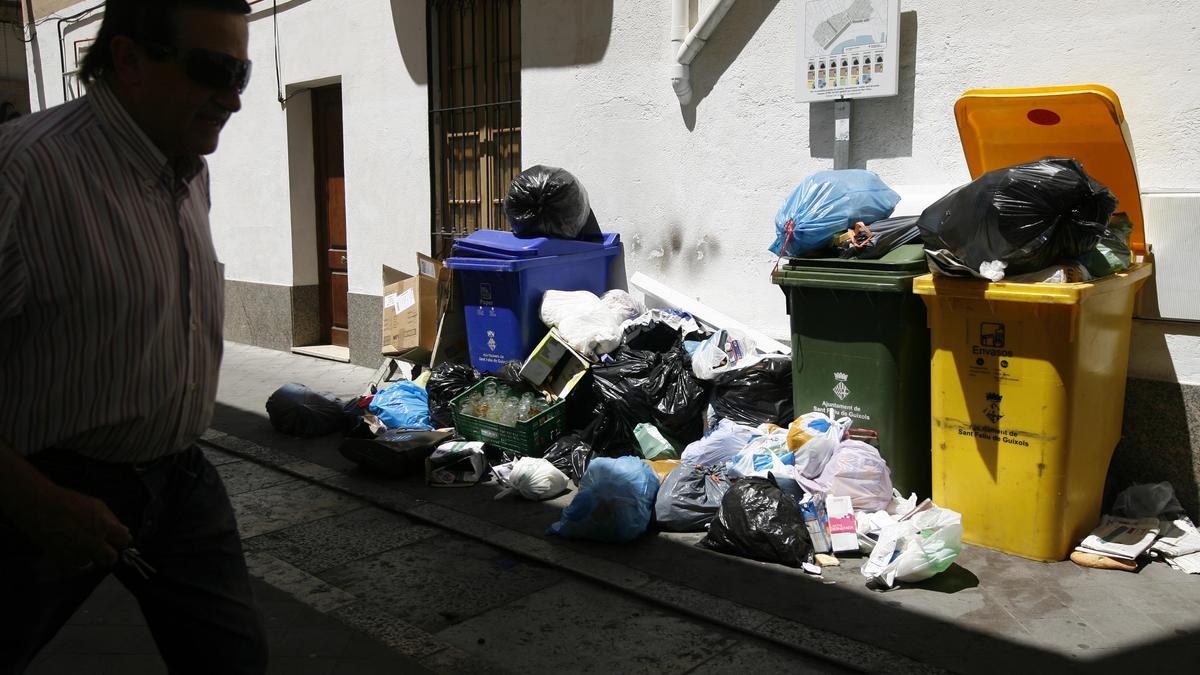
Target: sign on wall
[{"x": 848, "y": 49}]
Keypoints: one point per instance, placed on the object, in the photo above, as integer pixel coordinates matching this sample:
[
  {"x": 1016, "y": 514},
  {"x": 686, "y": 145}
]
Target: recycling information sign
[{"x": 848, "y": 49}]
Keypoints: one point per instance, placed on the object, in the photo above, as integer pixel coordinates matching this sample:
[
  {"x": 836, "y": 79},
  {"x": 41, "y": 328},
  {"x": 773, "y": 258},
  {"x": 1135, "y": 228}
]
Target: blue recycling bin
[{"x": 503, "y": 279}]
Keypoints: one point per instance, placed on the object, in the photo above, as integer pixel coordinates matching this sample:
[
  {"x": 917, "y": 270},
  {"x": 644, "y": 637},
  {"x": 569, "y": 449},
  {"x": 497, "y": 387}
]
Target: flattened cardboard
[{"x": 410, "y": 310}]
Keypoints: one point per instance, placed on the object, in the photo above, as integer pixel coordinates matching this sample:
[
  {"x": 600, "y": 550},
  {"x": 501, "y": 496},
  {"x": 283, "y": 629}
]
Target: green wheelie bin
[{"x": 860, "y": 348}]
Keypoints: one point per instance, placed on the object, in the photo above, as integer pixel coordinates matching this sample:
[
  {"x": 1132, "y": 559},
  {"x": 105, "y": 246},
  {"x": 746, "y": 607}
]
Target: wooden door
[{"x": 331, "y": 213}]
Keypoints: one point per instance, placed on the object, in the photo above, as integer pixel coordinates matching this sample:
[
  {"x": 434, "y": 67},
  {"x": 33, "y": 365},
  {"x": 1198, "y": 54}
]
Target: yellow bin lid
[{"x": 1003, "y": 127}]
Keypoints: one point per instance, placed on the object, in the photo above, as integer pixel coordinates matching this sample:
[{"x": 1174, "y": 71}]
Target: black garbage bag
[
  {"x": 397, "y": 453},
  {"x": 880, "y": 238},
  {"x": 1030, "y": 216},
  {"x": 651, "y": 333},
  {"x": 655, "y": 336},
  {"x": 546, "y": 201},
  {"x": 621, "y": 403},
  {"x": 570, "y": 454},
  {"x": 510, "y": 375},
  {"x": 680, "y": 398},
  {"x": 643, "y": 386},
  {"x": 760, "y": 393},
  {"x": 297, "y": 410},
  {"x": 690, "y": 497},
  {"x": 582, "y": 404},
  {"x": 446, "y": 382},
  {"x": 758, "y": 520},
  {"x": 354, "y": 410}
]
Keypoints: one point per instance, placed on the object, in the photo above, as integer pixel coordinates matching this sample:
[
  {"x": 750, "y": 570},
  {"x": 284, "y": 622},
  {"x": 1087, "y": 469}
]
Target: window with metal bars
[{"x": 474, "y": 114}]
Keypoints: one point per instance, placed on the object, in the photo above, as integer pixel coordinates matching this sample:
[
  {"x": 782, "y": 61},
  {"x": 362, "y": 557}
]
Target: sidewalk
[
  {"x": 108, "y": 636},
  {"x": 989, "y": 613}
]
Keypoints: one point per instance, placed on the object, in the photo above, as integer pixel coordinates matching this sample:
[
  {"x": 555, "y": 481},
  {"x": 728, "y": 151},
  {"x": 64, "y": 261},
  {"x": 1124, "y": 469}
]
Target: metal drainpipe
[
  {"x": 686, "y": 47},
  {"x": 681, "y": 76}
]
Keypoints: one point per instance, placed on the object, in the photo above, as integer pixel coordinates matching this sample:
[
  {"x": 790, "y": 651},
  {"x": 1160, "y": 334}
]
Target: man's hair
[{"x": 146, "y": 22}]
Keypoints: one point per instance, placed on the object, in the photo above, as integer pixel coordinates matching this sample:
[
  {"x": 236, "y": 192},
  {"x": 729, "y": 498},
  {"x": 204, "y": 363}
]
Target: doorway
[{"x": 330, "y": 191}]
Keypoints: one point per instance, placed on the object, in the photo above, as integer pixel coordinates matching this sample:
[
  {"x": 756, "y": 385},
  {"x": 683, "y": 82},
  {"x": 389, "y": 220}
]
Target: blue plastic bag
[
  {"x": 827, "y": 203},
  {"x": 614, "y": 504},
  {"x": 403, "y": 405}
]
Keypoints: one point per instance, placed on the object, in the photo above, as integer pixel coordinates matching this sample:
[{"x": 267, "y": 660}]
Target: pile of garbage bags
[
  {"x": 671, "y": 424},
  {"x": 690, "y": 430},
  {"x": 1043, "y": 221}
]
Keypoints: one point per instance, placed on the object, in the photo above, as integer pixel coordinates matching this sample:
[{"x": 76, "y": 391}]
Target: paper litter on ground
[{"x": 1123, "y": 538}]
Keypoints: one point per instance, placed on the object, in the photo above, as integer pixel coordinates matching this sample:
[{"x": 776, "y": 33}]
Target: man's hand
[
  {"x": 72, "y": 528},
  {"x": 76, "y": 530}
]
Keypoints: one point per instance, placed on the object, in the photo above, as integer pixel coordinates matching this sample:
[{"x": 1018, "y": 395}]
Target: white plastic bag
[
  {"x": 722, "y": 445},
  {"x": 902, "y": 505},
  {"x": 992, "y": 270},
  {"x": 771, "y": 439},
  {"x": 916, "y": 549},
  {"x": 531, "y": 477},
  {"x": 456, "y": 463},
  {"x": 759, "y": 465},
  {"x": 584, "y": 321},
  {"x": 592, "y": 333},
  {"x": 723, "y": 352},
  {"x": 856, "y": 470},
  {"x": 623, "y": 304},
  {"x": 559, "y": 305},
  {"x": 870, "y": 524},
  {"x": 813, "y": 437}
]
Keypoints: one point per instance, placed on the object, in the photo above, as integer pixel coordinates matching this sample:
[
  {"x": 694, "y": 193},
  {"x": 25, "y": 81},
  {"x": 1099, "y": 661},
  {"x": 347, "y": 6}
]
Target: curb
[{"x": 812, "y": 642}]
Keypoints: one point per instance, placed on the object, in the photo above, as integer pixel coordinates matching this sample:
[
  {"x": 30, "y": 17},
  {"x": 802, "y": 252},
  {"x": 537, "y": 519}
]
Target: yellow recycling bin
[{"x": 1028, "y": 380}]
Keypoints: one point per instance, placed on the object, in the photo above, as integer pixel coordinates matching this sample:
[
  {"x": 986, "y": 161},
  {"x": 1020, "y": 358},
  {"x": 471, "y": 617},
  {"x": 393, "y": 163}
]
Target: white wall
[
  {"x": 385, "y": 133},
  {"x": 1168, "y": 351},
  {"x": 694, "y": 192},
  {"x": 696, "y": 206}
]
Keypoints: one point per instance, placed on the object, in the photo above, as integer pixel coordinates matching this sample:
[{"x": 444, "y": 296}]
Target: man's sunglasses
[{"x": 206, "y": 67}]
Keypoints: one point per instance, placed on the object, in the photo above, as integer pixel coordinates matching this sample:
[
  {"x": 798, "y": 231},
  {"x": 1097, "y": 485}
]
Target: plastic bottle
[{"x": 525, "y": 408}]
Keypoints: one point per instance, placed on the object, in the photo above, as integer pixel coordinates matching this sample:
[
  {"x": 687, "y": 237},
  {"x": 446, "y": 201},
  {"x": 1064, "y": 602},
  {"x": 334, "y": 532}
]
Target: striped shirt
[{"x": 111, "y": 297}]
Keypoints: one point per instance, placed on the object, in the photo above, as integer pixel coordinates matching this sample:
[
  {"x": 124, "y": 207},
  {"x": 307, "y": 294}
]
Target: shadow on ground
[{"x": 978, "y": 637}]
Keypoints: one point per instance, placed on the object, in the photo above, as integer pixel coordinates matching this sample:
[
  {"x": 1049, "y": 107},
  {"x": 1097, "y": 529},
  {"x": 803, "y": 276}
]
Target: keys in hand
[{"x": 133, "y": 558}]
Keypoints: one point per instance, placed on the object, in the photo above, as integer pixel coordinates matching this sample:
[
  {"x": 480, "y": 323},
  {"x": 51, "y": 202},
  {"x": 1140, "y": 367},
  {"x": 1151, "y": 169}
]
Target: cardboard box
[
  {"x": 410, "y": 310},
  {"x": 554, "y": 368},
  {"x": 843, "y": 530}
]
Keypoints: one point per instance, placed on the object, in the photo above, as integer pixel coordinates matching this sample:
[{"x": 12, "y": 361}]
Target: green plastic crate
[{"x": 529, "y": 438}]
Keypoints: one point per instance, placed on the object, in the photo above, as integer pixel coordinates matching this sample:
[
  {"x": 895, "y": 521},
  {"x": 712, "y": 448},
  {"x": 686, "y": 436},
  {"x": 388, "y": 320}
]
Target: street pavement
[
  {"x": 454, "y": 580},
  {"x": 348, "y": 587}
]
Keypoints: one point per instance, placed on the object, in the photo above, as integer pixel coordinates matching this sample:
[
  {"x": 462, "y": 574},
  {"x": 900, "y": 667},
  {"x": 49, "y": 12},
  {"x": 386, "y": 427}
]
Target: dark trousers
[{"x": 197, "y": 603}]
